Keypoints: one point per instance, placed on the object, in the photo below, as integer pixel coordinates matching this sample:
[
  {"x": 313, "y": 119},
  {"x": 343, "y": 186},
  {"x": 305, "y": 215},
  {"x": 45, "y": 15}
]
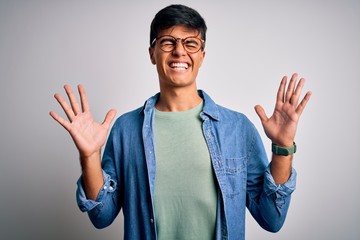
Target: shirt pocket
[{"x": 235, "y": 176}]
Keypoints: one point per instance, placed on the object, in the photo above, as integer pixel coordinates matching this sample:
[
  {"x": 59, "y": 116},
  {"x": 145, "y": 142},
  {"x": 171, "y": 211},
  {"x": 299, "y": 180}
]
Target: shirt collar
[{"x": 210, "y": 108}]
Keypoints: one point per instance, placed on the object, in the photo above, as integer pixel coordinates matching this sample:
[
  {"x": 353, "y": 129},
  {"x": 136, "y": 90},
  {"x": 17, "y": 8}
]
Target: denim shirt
[{"x": 238, "y": 158}]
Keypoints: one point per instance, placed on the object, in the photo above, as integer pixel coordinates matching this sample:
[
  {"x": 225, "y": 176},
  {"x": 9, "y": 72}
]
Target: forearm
[
  {"x": 281, "y": 168},
  {"x": 92, "y": 175}
]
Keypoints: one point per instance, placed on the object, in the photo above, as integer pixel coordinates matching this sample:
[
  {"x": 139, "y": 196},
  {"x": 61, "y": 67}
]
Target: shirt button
[
  {"x": 151, "y": 220},
  {"x": 111, "y": 188},
  {"x": 105, "y": 187}
]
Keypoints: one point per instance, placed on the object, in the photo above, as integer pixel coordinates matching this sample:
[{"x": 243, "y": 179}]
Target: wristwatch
[{"x": 283, "y": 151}]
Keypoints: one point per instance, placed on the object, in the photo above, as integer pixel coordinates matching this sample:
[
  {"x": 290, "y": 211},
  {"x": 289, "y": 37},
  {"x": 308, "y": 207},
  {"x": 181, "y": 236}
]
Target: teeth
[{"x": 179, "y": 65}]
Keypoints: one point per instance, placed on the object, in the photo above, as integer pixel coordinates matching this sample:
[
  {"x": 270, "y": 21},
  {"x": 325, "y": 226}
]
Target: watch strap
[{"x": 283, "y": 151}]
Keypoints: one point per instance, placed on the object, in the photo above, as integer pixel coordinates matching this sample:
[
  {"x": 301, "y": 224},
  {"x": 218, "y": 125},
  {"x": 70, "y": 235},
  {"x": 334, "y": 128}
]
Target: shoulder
[
  {"x": 130, "y": 119},
  {"x": 135, "y": 118},
  {"x": 226, "y": 114}
]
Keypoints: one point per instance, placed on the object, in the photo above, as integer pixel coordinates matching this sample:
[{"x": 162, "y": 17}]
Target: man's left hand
[{"x": 281, "y": 126}]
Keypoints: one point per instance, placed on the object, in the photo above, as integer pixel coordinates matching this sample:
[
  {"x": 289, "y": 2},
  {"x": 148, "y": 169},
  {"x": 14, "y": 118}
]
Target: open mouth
[{"x": 179, "y": 66}]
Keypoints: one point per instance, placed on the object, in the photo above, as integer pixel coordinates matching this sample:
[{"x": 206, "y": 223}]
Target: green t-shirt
[{"x": 185, "y": 190}]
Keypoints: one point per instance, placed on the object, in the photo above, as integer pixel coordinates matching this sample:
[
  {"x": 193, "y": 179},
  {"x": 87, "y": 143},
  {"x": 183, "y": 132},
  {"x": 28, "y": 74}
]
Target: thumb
[
  {"x": 109, "y": 118},
  {"x": 261, "y": 113}
]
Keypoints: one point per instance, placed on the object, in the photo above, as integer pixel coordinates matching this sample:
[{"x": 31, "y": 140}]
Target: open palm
[
  {"x": 281, "y": 127},
  {"x": 88, "y": 135}
]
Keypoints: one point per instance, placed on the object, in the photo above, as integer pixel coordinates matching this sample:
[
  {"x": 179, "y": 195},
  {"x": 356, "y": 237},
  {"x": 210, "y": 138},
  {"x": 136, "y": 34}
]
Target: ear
[
  {"x": 151, "y": 53},
  {"x": 202, "y": 57}
]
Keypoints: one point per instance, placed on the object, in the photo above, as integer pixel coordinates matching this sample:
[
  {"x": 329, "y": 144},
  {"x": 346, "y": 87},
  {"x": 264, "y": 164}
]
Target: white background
[{"x": 103, "y": 45}]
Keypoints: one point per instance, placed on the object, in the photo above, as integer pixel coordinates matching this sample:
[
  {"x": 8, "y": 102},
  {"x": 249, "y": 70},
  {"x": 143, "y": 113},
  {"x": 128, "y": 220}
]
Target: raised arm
[
  {"x": 281, "y": 127},
  {"x": 88, "y": 136}
]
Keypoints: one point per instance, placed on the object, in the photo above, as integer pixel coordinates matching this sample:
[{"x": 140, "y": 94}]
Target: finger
[
  {"x": 74, "y": 103},
  {"x": 281, "y": 90},
  {"x": 295, "y": 97},
  {"x": 109, "y": 118},
  {"x": 261, "y": 113},
  {"x": 60, "y": 120},
  {"x": 303, "y": 103},
  {"x": 291, "y": 87},
  {"x": 84, "y": 100},
  {"x": 67, "y": 109}
]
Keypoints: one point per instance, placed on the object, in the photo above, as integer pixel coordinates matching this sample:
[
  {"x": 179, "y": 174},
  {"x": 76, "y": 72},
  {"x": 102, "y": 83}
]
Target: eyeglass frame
[{"x": 182, "y": 42}]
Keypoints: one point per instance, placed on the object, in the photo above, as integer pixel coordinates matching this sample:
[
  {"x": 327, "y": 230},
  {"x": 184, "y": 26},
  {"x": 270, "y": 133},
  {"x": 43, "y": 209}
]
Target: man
[{"x": 181, "y": 166}]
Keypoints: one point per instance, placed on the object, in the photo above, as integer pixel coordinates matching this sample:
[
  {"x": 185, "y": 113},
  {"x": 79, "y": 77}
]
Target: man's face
[{"x": 177, "y": 68}]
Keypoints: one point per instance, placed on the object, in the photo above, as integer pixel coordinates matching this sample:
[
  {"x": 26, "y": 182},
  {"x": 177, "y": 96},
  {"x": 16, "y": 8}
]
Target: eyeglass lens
[{"x": 190, "y": 44}]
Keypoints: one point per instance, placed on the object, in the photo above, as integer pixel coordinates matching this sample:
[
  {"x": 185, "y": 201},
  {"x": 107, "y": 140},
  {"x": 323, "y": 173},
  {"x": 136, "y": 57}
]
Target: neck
[{"x": 177, "y": 100}]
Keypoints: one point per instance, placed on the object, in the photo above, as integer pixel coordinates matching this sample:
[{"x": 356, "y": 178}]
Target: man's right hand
[{"x": 88, "y": 135}]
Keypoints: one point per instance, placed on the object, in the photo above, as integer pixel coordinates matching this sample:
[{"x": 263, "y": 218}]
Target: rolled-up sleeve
[
  {"x": 105, "y": 208},
  {"x": 281, "y": 192},
  {"x": 85, "y": 204}
]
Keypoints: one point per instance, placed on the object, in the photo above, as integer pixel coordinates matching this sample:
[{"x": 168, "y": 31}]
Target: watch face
[{"x": 285, "y": 152}]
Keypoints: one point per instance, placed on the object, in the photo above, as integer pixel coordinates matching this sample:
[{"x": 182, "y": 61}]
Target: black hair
[{"x": 177, "y": 15}]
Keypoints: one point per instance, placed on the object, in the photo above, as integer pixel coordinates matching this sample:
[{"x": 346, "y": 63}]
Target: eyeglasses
[{"x": 168, "y": 43}]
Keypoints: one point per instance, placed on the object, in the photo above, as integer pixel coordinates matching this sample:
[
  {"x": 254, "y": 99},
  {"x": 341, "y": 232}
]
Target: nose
[{"x": 179, "y": 48}]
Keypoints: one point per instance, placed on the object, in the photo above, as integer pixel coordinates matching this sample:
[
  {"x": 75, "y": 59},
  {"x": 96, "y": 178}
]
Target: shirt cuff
[
  {"x": 281, "y": 190},
  {"x": 85, "y": 204}
]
